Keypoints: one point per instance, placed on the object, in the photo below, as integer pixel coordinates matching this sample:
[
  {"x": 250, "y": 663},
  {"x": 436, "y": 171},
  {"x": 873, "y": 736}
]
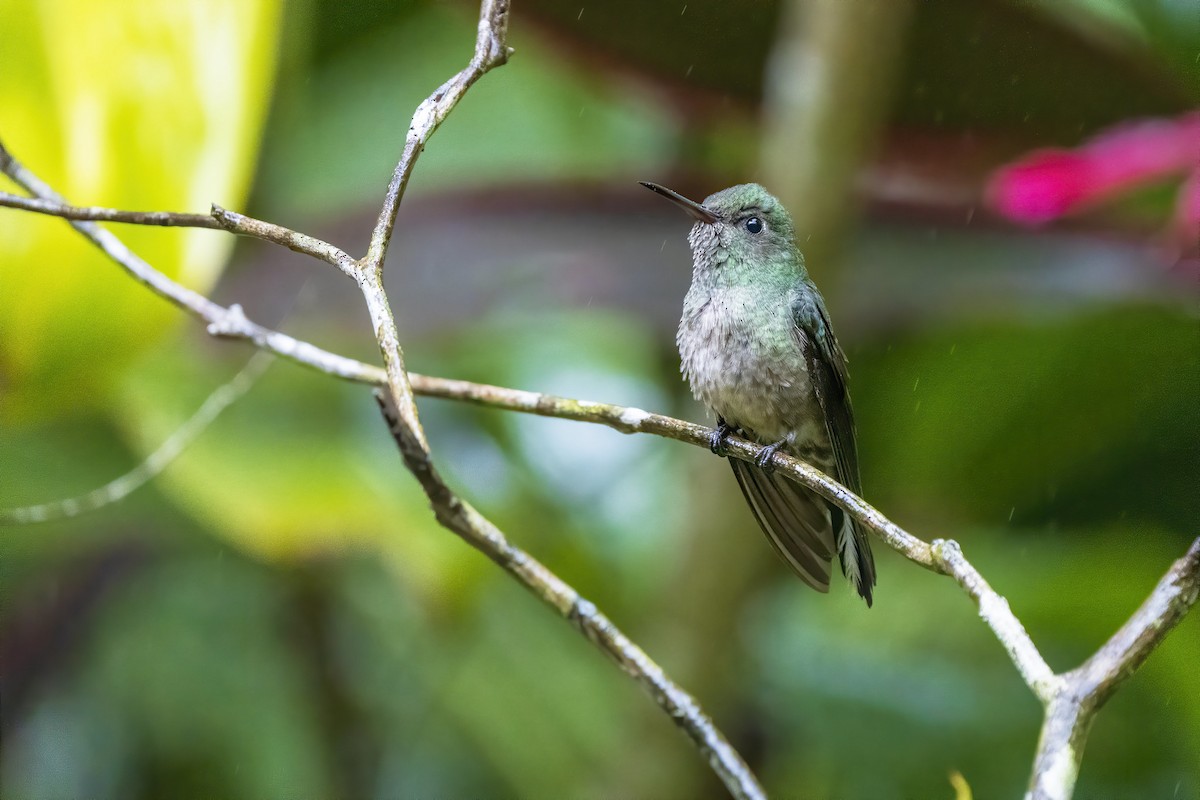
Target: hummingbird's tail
[
  {"x": 854, "y": 551},
  {"x": 806, "y": 530},
  {"x": 796, "y": 522}
]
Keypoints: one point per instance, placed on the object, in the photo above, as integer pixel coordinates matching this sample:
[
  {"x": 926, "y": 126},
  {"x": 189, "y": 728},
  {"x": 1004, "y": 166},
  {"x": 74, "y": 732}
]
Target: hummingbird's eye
[{"x": 754, "y": 225}]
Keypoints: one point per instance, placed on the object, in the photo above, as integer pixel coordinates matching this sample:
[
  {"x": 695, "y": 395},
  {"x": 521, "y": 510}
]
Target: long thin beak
[{"x": 693, "y": 208}]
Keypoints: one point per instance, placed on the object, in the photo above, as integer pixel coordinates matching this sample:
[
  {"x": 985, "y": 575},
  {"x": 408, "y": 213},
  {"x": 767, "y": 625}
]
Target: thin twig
[
  {"x": 388, "y": 337},
  {"x": 943, "y": 556},
  {"x": 491, "y": 50},
  {"x": 232, "y": 323},
  {"x": 153, "y": 465},
  {"x": 1122, "y": 654},
  {"x": 451, "y": 511},
  {"x": 635, "y": 420},
  {"x": 459, "y": 516},
  {"x": 225, "y": 322},
  {"x": 1071, "y": 699},
  {"x": 292, "y": 240},
  {"x": 166, "y": 219},
  {"x": 218, "y": 219},
  {"x": 400, "y": 411}
]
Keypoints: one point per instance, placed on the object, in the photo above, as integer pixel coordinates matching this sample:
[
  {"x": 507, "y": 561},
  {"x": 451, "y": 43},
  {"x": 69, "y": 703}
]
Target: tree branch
[
  {"x": 942, "y": 556},
  {"x": 1071, "y": 699},
  {"x": 400, "y": 410},
  {"x": 166, "y": 219},
  {"x": 454, "y": 513},
  {"x": 1064, "y": 731},
  {"x": 286, "y": 237},
  {"x": 476, "y": 530},
  {"x": 152, "y": 466},
  {"x": 1128, "y": 648},
  {"x": 225, "y": 322},
  {"x": 1085, "y": 689},
  {"x": 994, "y": 610},
  {"x": 491, "y": 50}
]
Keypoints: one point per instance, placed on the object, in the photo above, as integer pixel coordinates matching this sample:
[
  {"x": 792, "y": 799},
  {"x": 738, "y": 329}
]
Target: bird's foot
[
  {"x": 763, "y": 459},
  {"x": 716, "y": 441}
]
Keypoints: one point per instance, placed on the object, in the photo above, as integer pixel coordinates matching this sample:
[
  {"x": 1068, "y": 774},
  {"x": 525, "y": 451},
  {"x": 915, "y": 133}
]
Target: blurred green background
[{"x": 278, "y": 615}]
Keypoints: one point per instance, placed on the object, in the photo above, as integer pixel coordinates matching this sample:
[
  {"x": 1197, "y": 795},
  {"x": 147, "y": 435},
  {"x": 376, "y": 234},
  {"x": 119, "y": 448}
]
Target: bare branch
[
  {"x": 388, "y": 337},
  {"x": 635, "y": 420},
  {"x": 1071, "y": 700},
  {"x": 1128, "y": 648},
  {"x": 452, "y": 512},
  {"x": 457, "y": 515},
  {"x": 942, "y": 556},
  {"x": 994, "y": 610},
  {"x": 292, "y": 240},
  {"x": 152, "y": 466},
  {"x": 491, "y": 50},
  {"x": 166, "y": 219},
  {"x": 114, "y": 247},
  {"x": 1070, "y": 712},
  {"x": 230, "y": 323},
  {"x": 218, "y": 219}
]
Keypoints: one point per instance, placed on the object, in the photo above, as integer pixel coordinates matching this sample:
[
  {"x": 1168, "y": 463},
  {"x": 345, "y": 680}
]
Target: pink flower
[
  {"x": 1187, "y": 214},
  {"x": 1047, "y": 184}
]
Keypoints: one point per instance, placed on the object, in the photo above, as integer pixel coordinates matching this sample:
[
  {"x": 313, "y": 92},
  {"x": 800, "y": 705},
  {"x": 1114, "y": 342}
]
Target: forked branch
[{"x": 1071, "y": 699}]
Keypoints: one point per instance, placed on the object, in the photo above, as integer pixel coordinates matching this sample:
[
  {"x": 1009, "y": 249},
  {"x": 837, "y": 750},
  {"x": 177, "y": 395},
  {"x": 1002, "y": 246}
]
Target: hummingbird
[{"x": 757, "y": 349}]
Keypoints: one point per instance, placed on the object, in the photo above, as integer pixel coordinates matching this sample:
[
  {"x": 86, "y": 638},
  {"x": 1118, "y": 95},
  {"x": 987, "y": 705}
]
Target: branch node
[
  {"x": 945, "y": 549},
  {"x": 232, "y": 322},
  {"x": 582, "y": 612},
  {"x": 229, "y": 220}
]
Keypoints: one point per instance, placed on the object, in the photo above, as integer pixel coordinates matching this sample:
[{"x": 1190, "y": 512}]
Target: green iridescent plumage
[{"x": 757, "y": 348}]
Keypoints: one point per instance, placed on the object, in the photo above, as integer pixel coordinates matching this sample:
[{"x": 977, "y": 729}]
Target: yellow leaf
[
  {"x": 962, "y": 789},
  {"x": 150, "y": 105}
]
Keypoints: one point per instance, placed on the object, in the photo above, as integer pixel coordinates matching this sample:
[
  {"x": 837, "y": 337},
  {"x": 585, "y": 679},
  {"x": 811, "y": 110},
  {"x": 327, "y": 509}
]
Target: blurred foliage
[
  {"x": 345, "y": 123},
  {"x": 1073, "y": 421},
  {"x": 156, "y": 106},
  {"x": 993, "y": 64},
  {"x": 279, "y": 615}
]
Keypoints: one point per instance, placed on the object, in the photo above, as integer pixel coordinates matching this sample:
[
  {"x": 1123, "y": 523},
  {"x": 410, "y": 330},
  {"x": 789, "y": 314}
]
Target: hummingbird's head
[{"x": 737, "y": 228}]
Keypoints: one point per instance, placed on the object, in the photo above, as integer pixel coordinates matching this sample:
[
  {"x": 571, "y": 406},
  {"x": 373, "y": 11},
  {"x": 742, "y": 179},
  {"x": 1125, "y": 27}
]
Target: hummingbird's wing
[
  {"x": 827, "y": 372},
  {"x": 797, "y": 522}
]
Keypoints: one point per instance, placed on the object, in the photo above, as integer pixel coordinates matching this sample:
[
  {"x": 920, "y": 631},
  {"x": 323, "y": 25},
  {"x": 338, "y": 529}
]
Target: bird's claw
[
  {"x": 763, "y": 459},
  {"x": 716, "y": 440}
]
